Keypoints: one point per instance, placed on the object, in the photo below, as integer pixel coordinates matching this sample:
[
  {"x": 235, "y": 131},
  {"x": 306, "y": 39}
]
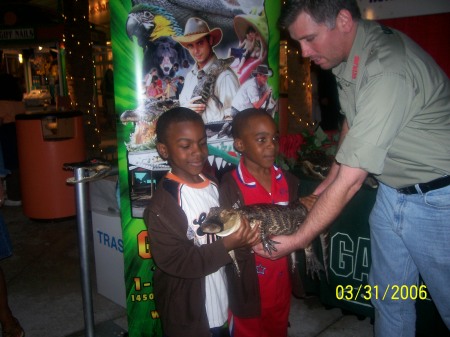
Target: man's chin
[{"x": 322, "y": 63}]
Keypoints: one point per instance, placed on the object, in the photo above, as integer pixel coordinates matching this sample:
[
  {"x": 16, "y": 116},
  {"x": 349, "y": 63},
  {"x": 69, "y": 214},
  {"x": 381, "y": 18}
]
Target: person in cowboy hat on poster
[
  {"x": 200, "y": 41},
  {"x": 254, "y": 93}
]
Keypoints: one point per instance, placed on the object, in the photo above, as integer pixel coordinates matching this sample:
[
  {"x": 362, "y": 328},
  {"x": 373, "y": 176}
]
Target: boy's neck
[{"x": 262, "y": 175}]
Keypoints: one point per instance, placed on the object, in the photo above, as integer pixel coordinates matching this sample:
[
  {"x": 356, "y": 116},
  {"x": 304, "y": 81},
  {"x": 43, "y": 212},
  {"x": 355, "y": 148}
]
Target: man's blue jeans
[{"x": 410, "y": 234}]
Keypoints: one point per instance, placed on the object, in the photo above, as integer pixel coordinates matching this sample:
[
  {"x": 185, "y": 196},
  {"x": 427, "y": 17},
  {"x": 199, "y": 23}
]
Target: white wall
[{"x": 386, "y": 9}]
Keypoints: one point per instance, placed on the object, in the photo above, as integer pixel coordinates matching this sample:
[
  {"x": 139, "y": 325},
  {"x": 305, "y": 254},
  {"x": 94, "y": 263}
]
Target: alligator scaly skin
[{"x": 272, "y": 220}]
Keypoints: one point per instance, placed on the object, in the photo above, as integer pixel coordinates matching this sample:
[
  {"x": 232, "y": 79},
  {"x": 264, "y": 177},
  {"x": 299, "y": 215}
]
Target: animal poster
[{"x": 152, "y": 43}]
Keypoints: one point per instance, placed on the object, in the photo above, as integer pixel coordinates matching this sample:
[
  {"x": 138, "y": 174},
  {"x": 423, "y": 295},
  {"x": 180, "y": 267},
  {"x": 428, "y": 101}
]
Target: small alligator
[
  {"x": 273, "y": 220},
  {"x": 207, "y": 83}
]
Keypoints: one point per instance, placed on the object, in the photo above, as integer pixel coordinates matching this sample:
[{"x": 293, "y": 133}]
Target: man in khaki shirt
[{"x": 396, "y": 101}]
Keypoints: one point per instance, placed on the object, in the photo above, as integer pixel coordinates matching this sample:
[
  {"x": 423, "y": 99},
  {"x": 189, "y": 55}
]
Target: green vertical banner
[{"x": 141, "y": 34}]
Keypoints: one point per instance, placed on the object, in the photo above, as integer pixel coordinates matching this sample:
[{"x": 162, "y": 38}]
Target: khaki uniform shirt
[{"x": 397, "y": 103}]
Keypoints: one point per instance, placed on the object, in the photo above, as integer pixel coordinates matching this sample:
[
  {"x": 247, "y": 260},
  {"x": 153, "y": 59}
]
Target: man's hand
[
  {"x": 286, "y": 245},
  {"x": 197, "y": 107},
  {"x": 245, "y": 236}
]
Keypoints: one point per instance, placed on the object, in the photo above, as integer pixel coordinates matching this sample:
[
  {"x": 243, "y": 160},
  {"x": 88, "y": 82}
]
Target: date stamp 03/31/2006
[{"x": 392, "y": 292}]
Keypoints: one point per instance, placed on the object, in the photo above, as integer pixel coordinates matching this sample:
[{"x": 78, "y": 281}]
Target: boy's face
[
  {"x": 185, "y": 149},
  {"x": 259, "y": 143}
]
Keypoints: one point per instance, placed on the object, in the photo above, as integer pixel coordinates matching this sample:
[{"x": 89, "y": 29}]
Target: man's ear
[
  {"x": 162, "y": 150},
  {"x": 344, "y": 21},
  {"x": 238, "y": 145}
]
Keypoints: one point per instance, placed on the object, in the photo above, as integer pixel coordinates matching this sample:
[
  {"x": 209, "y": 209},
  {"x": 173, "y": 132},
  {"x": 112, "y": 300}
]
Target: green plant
[{"x": 318, "y": 141}]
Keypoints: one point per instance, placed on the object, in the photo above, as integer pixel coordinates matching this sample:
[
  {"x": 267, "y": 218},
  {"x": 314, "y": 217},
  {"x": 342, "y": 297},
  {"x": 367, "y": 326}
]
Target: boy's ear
[
  {"x": 162, "y": 150},
  {"x": 238, "y": 145}
]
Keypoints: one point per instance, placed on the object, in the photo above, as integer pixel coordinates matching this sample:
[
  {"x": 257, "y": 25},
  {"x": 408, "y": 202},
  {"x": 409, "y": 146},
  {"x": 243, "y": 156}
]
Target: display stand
[{"x": 84, "y": 172}]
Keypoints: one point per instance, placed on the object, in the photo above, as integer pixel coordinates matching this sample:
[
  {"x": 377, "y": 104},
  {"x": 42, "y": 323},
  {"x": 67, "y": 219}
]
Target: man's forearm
[
  {"x": 329, "y": 205},
  {"x": 326, "y": 209},
  {"x": 332, "y": 174}
]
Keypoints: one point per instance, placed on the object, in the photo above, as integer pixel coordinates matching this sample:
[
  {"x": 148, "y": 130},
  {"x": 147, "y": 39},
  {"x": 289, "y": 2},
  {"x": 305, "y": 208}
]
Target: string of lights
[
  {"x": 80, "y": 70},
  {"x": 295, "y": 78}
]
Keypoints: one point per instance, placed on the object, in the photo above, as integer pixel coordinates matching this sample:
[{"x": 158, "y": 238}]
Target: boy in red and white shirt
[{"x": 260, "y": 297}]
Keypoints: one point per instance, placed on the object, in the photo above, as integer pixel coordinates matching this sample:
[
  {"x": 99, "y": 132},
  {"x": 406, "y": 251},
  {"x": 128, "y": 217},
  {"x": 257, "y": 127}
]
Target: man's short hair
[
  {"x": 172, "y": 116},
  {"x": 321, "y": 11}
]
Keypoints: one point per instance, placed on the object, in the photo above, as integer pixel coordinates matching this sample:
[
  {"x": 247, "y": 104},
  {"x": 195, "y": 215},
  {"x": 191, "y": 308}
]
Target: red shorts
[{"x": 275, "y": 293}]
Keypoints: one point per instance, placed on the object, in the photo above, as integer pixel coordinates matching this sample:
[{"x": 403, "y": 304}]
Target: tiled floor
[{"x": 43, "y": 278}]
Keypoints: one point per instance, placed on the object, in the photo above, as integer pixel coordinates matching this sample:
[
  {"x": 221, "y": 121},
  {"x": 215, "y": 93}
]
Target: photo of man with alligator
[{"x": 210, "y": 84}]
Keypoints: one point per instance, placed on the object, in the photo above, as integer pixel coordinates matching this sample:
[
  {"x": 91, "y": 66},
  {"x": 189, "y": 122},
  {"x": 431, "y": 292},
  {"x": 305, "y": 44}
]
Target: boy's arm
[
  {"x": 170, "y": 247},
  {"x": 178, "y": 256},
  {"x": 245, "y": 236},
  {"x": 175, "y": 254}
]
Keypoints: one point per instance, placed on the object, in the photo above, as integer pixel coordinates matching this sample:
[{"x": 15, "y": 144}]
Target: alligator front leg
[{"x": 313, "y": 265}]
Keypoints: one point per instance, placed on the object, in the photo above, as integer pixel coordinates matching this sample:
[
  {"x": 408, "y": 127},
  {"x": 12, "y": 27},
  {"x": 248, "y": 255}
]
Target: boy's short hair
[
  {"x": 174, "y": 115},
  {"x": 240, "y": 121}
]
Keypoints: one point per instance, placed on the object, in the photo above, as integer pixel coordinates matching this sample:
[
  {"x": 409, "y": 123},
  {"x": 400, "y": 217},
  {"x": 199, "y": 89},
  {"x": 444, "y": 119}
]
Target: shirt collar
[
  {"x": 206, "y": 67},
  {"x": 247, "y": 179},
  {"x": 350, "y": 70}
]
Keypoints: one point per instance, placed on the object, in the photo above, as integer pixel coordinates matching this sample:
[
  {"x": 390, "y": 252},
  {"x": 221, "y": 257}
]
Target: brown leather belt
[{"x": 426, "y": 187}]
